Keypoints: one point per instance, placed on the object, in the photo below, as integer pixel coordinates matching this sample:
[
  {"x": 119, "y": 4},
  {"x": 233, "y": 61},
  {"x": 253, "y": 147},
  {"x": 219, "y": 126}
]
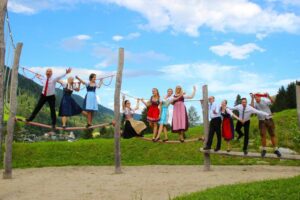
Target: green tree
[
  {"x": 238, "y": 100},
  {"x": 193, "y": 116},
  {"x": 280, "y": 101},
  {"x": 291, "y": 95}
]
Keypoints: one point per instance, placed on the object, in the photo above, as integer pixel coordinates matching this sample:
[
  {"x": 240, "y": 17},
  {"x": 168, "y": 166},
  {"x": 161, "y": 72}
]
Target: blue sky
[{"x": 234, "y": 46}]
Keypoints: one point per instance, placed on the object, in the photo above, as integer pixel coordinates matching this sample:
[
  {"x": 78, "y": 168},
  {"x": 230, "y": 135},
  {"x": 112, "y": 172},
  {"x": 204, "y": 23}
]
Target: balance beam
[{"x": 251, "y": 155}]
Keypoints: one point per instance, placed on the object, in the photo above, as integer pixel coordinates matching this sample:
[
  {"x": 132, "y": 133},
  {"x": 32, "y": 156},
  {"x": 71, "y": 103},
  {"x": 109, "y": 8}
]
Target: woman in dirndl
[
  {"x": 132, "y": 128},
  {"x": 180, "y": 122},
  {"x": 90, "y": 104},
  {"x": 227, "y": 124},
  {"x": 153, "y": 113},
  {"x": 68, "y": 106}
]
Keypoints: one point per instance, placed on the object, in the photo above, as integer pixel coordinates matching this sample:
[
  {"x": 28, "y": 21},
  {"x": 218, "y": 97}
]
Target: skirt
[
  {"x": 90, "y": 102},
  {"x": 227, "y": 129},
  {"x": 180, "y": 118},
  {"x": 164, "y": 116},
  {"x": 153, "y": 114},
  {"x": 68, "y": 106},
  {"x": 133, "y": 128}
]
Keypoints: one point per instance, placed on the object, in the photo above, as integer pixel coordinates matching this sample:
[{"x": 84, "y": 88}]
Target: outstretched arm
[
  {"x": 144, "y": 102},
  {"x": 80, "y": 80},
  {"x": 56, "y": 79},
  {"x": 100, "y": 83},
  {"x": 137, "y": 104},
  {"x": 233, "y": 115},
  {"x": 252, "y": 100},
  {"x": 192, "y": 95},
  {"x": 255, "y": 111}
]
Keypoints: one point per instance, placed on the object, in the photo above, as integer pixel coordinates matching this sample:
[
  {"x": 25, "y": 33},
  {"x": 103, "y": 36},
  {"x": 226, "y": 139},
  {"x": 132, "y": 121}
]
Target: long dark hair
[{"x": 92, "y": 75}]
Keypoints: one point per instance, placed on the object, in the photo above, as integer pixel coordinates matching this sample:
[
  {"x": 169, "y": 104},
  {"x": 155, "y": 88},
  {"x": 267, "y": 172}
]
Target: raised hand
[{"x": 68, "y": 70}]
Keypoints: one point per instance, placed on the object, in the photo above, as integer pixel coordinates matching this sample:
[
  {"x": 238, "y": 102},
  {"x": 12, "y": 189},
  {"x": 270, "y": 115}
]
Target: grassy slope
[
  {"x": 139, "y": 152},
  {"x": 272, "y": 189}
]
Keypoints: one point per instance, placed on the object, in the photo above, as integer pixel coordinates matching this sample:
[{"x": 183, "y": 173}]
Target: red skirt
[
  {"x": 227, "y": 128},
  {"x": 153, "y": 113}
]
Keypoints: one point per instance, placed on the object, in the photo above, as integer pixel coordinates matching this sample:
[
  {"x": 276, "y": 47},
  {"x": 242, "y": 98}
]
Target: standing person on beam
[
  {"x": 48, "y": 95},
  {"x": 265, "y": 123},
  {"x": 245, "y": 112},
  {"x": 214, "y": 124}
]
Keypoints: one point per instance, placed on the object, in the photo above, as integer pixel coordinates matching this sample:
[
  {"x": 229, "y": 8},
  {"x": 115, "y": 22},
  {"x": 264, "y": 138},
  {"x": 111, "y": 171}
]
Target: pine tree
[
  {"x": 291, "y": 96},
  {"x": 280, "y": 101},
  {"x": 193, "y": 116},
  {"x": 238, "y": 100}
]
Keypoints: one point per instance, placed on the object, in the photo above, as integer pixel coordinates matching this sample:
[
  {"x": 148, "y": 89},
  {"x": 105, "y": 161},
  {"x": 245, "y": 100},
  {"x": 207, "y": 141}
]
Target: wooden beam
[
  {"x": 60, "y": 128},
  {"x": 7, "y": 174},
  {"x": 206, "y": 125},
  {"x": 170, "y": 141},
  {"x": 3, "y": 9},
  {"x": 298, "y": 102},
  {"x": 252, "y": 155},
  {"x": 117, "y": 112}
]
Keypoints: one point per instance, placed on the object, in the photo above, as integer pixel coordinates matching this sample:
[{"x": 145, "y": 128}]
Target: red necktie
[{"x": 46, "y": 87}]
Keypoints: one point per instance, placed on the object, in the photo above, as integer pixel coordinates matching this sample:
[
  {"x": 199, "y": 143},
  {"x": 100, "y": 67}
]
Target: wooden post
[
  {"x": 7, "y": 174},
  {"x": 298, "y": 101},
  {"x": 117, "y": 112},
  {"x": 3, "y": 7},
  {"x": 206, "y": 126}
]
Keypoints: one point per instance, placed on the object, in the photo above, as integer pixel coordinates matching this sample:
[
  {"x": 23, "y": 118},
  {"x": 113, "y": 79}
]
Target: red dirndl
[{"x": 153, "y": 111}]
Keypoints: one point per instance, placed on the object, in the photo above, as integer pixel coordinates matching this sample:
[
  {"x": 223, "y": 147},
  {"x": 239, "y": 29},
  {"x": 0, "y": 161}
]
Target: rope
[{"x": 10, "y": 32}]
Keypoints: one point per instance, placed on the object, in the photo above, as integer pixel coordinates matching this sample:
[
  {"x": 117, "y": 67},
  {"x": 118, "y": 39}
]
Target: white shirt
[
  {"x": 263, "y": 105},
  {"x": 214, "y": 110},
  {"x": 51, "y": 84},
  {"x": 248, "y": 111}
]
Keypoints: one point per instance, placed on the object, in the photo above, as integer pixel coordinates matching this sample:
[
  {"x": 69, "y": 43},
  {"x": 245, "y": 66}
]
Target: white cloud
[
  {"x": 117, "y": 38},
  {"x": 109, "y": 56},
  {"x": 241, "y": 16},
  {"x": 235, "y": 51},
  {"x": 75, "y": 43},
  {"x": 223, "y": 80},
  {"x": 130, "y": 36},
  {"x": 82, "y": 37},
  {"x": 19, "y": 8}
]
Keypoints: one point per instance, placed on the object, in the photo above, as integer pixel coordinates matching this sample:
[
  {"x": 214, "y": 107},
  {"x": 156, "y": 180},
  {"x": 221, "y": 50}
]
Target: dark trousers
[
  {"x": 43, "y": 99},
  {"x": 238, "y": 129},
  {"x": 214, "y": 127}
]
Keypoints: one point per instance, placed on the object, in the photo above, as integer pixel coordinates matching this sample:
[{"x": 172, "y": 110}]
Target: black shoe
[
  {"x": 88, "y": 126},
  {"x": 181, "y": 140},
  {"x": 156, "y": 140},
  {"x": 263, "y": 153},
  {"x": 228, "y": 150},
  {"x": 216, "y": 149},
  {"x": 153, "y": 139},
  {"x": 206, "y": 148},
  {"x": 277, "y": 153},
  {"x": 27, "y": 120},
  {"x": 165, "y": 140},
  {"x": 245, "y": 152},
  {"x": 240, "y": 136}
]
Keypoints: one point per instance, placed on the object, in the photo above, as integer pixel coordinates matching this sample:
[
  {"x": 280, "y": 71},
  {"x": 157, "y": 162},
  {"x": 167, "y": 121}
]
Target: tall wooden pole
[
  {"x": 7, "y": 174},
  {"x": 206, "y": 126},
  {"x": 3, "y": 7},
  {"x": 298, "y": 101},
  {"x": 117, "y": 112}
]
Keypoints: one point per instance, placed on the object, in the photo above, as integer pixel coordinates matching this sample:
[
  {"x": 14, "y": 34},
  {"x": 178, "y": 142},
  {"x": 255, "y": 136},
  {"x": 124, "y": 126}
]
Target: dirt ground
[{"x": 135, "y": 183}]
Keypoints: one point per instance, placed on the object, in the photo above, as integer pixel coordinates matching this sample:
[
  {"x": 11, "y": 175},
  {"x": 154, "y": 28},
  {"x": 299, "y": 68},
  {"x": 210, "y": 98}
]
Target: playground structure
[{"x": 11, "y": 92}]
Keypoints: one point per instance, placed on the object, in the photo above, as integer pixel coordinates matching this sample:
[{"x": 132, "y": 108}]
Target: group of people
[
  {"x": 158, "y": 114},
  {"x": 221, "y": 122},
  {"x": 68, "y": 106},
  {"x": 221, "y": 116}
]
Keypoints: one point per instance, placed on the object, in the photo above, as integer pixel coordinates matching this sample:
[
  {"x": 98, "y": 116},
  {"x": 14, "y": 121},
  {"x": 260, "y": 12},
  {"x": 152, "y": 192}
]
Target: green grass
[
  {"x": 138, "y": 152},
  {"x": 287, "y": 189}
]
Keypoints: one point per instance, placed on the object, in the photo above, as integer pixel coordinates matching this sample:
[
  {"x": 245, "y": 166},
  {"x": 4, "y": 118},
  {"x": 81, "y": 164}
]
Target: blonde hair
[{"x": 181, "y": 91}]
